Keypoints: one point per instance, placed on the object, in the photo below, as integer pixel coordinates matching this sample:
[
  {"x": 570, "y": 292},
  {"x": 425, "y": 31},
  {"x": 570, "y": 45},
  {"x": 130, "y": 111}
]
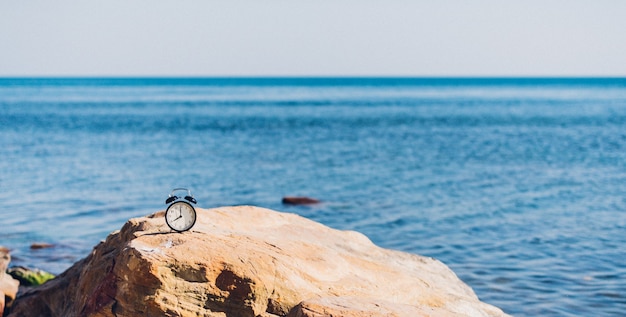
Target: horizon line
[{"x": 312, "y": 76}]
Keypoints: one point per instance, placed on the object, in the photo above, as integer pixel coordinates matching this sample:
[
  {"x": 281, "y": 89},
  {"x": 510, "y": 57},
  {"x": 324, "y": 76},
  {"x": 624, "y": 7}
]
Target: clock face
[{"x": 180, "y": 216}]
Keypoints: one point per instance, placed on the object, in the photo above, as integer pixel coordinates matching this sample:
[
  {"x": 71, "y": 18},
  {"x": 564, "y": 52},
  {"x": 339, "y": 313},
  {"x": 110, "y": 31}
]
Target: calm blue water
[{"x": 519, "y": 185}]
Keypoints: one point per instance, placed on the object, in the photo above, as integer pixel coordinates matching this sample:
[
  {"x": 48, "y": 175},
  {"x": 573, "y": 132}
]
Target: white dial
[{"x": 180, "y": 216}]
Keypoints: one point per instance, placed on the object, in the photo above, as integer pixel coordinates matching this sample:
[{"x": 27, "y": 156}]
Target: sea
[{"x": 517, "y": 184}]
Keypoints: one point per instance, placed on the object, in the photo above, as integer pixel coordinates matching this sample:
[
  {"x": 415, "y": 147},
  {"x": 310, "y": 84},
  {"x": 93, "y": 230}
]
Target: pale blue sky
[{"x": 313, "y": 38}]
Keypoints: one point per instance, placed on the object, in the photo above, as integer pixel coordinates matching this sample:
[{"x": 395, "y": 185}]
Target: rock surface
[
  {"x": 8, "y": 286},
  {"x": 249, "y": 261}
]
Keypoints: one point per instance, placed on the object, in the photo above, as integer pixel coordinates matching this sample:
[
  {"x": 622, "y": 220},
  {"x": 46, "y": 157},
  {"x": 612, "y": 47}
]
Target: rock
[
  {"x": 248, "y": 261},
  {"x": 30, "y": 277},
  {"x": 300, "y": 201},
  {"x": 5, "y": 259},
  {"x": 41, "y": 245},
  {"x": 8, "y": 286}
]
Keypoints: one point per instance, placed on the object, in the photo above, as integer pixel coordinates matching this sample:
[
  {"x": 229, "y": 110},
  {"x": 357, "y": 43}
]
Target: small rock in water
[
  {"x": 41, "y": 245},
  {"x": 299, "y": 200}
]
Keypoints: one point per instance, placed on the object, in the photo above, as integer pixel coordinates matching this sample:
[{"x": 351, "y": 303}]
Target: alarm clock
[{"x": 180, "y": 214}]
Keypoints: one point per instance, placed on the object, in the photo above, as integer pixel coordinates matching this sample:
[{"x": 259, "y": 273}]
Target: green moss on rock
[{"x": 29, "y": 277}]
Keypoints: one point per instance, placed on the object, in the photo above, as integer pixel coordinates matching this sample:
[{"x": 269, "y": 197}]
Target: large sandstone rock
[{"x": 249, "y": 261}]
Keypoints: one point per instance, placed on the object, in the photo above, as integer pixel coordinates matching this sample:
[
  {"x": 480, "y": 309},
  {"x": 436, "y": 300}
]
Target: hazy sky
[{"x": 313, "y": 38}]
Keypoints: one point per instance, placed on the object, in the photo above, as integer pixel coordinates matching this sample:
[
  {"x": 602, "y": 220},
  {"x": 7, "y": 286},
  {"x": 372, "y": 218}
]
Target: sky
[{"x": 313, "y": 38}]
